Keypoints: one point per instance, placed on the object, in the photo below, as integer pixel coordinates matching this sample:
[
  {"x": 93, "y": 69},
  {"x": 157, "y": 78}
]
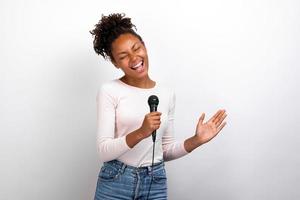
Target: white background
[{"x": 239, "y": 55}]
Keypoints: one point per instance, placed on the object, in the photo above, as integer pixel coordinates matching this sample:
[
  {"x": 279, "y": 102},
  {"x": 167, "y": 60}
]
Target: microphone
[{"x": 153, "y": 103}]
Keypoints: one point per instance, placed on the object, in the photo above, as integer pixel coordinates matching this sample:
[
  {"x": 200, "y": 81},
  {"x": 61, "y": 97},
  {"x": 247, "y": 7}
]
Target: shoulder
[
  {"x": 109, "y": 87},
  {"x": 109, "y": 90}
]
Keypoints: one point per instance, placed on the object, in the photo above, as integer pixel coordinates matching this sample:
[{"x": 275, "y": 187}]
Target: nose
[{"x": 132, "y": 57}]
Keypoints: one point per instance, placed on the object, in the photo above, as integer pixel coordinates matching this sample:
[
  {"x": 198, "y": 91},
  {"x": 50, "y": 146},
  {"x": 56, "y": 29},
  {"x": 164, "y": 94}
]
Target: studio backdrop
[{"x": 242, "y": 56}]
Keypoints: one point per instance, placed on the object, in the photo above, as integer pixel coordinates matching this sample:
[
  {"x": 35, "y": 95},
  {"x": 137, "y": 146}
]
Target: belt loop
[
  {"x": 122, "y": 169},
  {"x": 149, "y": 170}
]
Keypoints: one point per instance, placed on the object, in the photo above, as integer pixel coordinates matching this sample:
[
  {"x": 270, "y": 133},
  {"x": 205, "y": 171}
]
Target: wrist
[
  {"x": 197, "y": 140},
  {"x": 192, "y": 143}
]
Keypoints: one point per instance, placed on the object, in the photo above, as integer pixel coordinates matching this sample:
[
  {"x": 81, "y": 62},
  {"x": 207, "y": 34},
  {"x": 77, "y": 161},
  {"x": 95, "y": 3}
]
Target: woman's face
[{"x": 130, "y": 54}]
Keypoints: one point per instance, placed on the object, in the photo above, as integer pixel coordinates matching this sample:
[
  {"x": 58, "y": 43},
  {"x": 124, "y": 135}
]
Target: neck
[{"x": 145, "y": 82}]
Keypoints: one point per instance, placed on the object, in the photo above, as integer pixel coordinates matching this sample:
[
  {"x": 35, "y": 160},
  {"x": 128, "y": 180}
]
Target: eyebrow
[{"x": 123, "y": 52}]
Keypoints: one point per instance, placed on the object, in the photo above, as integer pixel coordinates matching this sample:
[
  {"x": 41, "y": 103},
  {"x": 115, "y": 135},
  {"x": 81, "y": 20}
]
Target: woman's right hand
[{"x": 151, "y": 123}]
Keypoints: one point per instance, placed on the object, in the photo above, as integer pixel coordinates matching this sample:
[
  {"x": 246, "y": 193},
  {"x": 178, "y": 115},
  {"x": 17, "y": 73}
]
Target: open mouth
[{"x": 139, "y": 66}]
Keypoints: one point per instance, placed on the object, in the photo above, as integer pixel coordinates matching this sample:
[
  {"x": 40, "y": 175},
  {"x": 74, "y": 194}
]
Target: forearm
[
  {"x": 134, "y": 138},
  {"x": 112, "y": 148},
  {"x": 192, "y": 143}
]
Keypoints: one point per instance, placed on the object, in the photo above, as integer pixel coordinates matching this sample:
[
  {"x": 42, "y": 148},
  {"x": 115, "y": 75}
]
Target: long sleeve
[
  {"x": 108, "y": 146},
  {"x": 172, "y": 149}
]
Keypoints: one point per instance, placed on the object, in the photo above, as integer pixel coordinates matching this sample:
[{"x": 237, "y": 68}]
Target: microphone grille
[{"x": 153, "y": 100}]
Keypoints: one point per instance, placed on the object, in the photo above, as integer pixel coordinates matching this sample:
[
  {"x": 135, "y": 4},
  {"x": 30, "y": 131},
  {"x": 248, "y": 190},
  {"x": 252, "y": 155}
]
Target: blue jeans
[{"x": 118, "y": 181}]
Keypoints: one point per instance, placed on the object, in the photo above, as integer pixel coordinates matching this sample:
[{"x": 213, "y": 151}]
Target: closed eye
[
  {"x": 137, "y": 48},
  {"x": 121, "y": 58}
]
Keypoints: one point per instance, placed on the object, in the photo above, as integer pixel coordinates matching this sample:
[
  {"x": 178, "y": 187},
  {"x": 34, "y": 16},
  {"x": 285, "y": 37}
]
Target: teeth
[{"x": 137, "y": 65}]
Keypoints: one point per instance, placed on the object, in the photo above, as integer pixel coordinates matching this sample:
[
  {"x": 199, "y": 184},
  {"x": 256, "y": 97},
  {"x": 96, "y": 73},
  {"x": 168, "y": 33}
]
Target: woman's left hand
[{"x": 208, "y": 130}]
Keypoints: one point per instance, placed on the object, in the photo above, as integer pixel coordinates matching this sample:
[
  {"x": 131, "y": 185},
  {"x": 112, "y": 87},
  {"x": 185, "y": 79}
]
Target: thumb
[{"x": 201, "y": 119}]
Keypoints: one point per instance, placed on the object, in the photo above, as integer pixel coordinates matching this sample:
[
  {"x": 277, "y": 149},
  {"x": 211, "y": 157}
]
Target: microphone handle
[{"x": 153, "y": 108}]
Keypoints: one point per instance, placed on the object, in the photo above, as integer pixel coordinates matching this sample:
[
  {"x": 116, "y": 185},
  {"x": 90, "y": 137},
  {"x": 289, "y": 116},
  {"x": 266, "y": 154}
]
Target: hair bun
[
  {"x": 108, "y": 29},
  {"x": 115, "y": 23}
]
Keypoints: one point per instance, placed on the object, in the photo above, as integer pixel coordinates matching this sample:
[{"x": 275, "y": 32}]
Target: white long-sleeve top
[{"x": 121, "y": 109}]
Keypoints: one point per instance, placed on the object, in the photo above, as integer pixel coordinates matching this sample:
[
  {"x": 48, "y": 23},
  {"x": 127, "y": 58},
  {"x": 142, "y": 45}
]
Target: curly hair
[{"x": 108, "y": 29}]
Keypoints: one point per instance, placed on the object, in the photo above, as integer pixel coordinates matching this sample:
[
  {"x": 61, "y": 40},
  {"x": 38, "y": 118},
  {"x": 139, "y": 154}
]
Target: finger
[
  {"x": 220, "y": 119},
  {"x": 215, "y": 115},
  {"x": 221, "y": 127},
  {"x": 156, "y": 123},
  {"x": 155, "y": 127},
  {"x": 151, "y": 115},
  {"x": 154, "y": 118},
  {"x": 201, "y": 119},
  {"x": 154, "y": 113},
  {"x": 216, "y": 119}
]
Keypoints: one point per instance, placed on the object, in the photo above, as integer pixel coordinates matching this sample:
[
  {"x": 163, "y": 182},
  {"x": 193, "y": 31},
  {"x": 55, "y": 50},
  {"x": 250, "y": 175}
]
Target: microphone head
[{"x": 153, "y": 100}]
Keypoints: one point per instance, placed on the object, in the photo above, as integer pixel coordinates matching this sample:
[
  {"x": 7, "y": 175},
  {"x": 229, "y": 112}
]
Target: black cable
[{"x": 151, "y": 169}]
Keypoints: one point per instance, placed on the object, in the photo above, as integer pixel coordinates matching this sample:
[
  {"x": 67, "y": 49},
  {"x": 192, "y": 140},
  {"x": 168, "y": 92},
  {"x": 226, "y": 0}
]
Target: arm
[
  {"x": 151, "y": 122},
  {"x": 108, "y": 146},
  {"x": 172, "y": 149}
]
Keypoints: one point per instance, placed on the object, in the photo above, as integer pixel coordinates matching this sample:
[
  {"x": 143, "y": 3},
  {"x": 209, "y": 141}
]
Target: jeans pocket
[
  {"x": 159, "y": 176},
  {"x": 109, "y": 173}
]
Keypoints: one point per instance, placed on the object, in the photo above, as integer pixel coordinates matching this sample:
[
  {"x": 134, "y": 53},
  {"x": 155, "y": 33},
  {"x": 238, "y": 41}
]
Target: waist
[{"x": 121, "y": 165}]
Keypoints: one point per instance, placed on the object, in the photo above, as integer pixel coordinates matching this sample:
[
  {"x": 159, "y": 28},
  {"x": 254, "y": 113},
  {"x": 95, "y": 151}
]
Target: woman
[{"x": 125, "y": 124}]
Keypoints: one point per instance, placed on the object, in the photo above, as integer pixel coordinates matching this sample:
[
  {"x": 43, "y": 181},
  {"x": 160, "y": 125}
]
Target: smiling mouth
[{"x": 139, "y": 66}]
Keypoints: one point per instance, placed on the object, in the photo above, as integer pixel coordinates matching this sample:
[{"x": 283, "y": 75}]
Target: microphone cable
[
  {"x": 151, "y": 167},
  {"x": 153, "y": 103}
]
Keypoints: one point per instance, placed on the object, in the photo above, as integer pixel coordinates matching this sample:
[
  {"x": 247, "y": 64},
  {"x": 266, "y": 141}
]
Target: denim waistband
[{"x": 122, "y": 165}]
